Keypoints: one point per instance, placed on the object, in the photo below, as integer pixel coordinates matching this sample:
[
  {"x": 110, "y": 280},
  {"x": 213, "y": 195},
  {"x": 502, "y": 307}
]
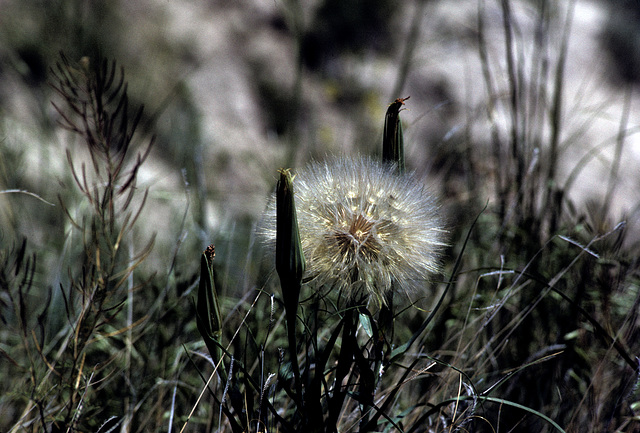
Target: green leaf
[
  {"x": 365, "y": 321},
  {"x": 525, "y": 408}
]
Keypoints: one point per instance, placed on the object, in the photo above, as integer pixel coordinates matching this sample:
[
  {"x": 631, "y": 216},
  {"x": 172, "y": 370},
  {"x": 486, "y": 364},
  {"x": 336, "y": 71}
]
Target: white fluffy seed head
[{"x": 364, "y": 226}]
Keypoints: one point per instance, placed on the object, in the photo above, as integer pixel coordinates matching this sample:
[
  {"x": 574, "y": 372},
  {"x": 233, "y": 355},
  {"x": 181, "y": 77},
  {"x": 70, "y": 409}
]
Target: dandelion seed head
[{"x": 362, "y": 226}]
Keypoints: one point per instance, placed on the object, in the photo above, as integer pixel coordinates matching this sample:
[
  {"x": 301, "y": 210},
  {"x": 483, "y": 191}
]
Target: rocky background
[{"x": 235, "y": 90}]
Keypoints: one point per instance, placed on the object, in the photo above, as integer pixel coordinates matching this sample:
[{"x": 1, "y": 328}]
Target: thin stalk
[
  {"x": 345, "y": 359},
  {"x": 556, "y": 109},
  {"x": 293, "y": 353},
  {"x": 500, "y": 183},
  {"x": 615, "y": 166},
  {"x": 129, "y": 405},
  {"x": 514, "y": 92}
]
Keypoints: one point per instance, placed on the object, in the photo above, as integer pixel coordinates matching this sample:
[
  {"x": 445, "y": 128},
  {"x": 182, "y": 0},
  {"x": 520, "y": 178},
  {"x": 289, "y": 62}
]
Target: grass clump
[{"x": 76, "y": 338}]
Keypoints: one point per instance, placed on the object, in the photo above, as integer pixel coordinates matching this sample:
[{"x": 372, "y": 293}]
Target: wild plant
[
  {"x": 70, "y": 351},
  {"x": 354, "y": 233}
]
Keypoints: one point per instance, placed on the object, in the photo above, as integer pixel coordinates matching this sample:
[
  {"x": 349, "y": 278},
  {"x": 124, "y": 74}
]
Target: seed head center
[
  {"x": 357, "y": 238},
  {"x": 360, "y": 228}
]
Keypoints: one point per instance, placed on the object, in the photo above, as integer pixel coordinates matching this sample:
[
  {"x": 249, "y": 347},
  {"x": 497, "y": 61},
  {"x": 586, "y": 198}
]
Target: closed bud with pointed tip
[
  {"x": 208, "y": 316},
  {"x": 290, "y": 262},
  {"x": 392, "y": 138}
]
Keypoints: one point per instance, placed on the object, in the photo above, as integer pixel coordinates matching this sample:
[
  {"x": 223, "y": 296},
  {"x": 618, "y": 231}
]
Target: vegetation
[{"x": 524, "y": 319}]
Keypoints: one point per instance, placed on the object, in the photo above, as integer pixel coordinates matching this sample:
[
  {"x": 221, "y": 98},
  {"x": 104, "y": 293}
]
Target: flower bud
[
  {"x": 392, "y": 138},
  {"x": 290, "y": 263},
  {"x": 208, "y": 317}
]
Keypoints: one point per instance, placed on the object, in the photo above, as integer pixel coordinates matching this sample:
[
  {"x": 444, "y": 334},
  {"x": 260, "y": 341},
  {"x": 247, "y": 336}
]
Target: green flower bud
[
  {"x": 208, "y": 317},
  {"x": 290, "y": 263},
  {"x": 392, "y": 138}
]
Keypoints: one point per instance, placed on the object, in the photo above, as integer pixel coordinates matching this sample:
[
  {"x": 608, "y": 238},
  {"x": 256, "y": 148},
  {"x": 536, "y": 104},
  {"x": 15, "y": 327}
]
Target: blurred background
[{"x": 235, "y": 90}]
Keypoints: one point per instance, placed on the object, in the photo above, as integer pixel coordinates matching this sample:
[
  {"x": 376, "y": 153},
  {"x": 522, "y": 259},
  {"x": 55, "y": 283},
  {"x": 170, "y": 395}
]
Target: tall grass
[{"x": 531, "y": 326}]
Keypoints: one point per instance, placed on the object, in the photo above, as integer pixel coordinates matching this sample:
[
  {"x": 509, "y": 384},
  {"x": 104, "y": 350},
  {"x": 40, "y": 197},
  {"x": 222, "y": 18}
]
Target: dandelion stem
[{"x": 345, "y": 359}]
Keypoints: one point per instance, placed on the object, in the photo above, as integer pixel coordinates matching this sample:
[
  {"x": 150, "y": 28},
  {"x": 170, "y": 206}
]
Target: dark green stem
[{"x": 345, "y": 359}]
